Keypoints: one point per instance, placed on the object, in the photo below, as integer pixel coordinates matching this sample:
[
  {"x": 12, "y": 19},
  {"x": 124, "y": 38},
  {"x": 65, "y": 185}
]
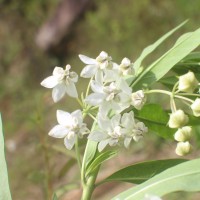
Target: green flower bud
[
  {"x": 183, "y": 134},
  {"x": 183, "y": 148},
  {"x": 178, "y": 119},
  {"x": 187, "y": 82},
  {"x": 196, "y": 107}
]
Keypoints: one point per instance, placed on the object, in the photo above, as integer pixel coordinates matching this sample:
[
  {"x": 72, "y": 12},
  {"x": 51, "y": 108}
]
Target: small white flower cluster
[
  {"x": 178, "y": 119},
  {"x": 110, "y": 96}
]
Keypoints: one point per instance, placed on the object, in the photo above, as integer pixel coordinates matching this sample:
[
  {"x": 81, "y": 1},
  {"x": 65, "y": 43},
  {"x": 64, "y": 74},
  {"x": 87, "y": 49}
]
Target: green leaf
[
  {"x": 169, "y": 81},
  {"x": 141, "y": 172},
  {"x": 4, "y": 185},
  {"x": 102, "y": 157},
  {"x": 90, "y": 152},
  {"x": 184, "y": 45},
  {"x": 182, "y": 177},
  {"x": 153, "y": 46},
  {"x": 156, "y": 119}
]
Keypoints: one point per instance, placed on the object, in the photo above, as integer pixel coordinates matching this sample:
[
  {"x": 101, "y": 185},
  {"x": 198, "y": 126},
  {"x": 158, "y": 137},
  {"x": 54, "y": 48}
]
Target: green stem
[
  {"x": 189, "y": 94},
  {"x": 89, "y": 187},
  {"x": 78, "y": 153}
]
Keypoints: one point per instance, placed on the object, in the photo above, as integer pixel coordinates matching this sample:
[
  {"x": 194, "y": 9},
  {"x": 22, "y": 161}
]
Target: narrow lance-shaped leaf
[
  {"x": 184, "y": 45},
  {"x": 102, "y": 157},
  {"x": 4, "y": 185},
  {"x": 182, "y": 177},
  {"x": 153, "y": 46},
  {"x": 156, "y": 122},
  {"x": 141, "y": 172}
]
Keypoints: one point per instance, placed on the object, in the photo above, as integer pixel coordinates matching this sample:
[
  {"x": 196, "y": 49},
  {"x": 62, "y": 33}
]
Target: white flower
[
  {"x": 132, "y": 129},
  {"x": 100, "y": 64},
  {"x": 69, "y": 127},
  {"x": 183, "y": 148},
  {"x": 114, "y": 95},
  {"x": 138, "y": 99},
  {"x": 178, "y": 119},
  {"x": 126, "y": 67},
  {"x": 196, "y": 107},
  {"x": 183, "y": 134},
  {"x": 187, "y": 82},
  {"x": 62, "y": 81},
  {"x": 108, "y": 132}
]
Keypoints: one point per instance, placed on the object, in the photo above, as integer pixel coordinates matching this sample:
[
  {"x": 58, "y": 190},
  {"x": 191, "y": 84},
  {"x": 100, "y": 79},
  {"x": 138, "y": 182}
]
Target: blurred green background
[{"x": 120, "y": 27}]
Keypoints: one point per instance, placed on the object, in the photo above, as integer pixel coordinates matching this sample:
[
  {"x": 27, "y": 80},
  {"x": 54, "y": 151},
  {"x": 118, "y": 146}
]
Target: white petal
[
  {"x": 111, "y": 75},
  {"x": 58, "y": 131},
  {"x": 104, "y": 123},
  {"x": 127, "y": 141},
  {"x": 69, "y": 143},
  {"x": 94, "y": 99},
  {"x": 74, "y": 76},
  {"x": 113, "y": 141},
  {"x": 78, "y": 115},
  {"x": 102, "y": 145},
  {"x": 87, "y": 60},
  {"x": 89, "y": 71},
  {"x": 115, "y": 120},
  {"x": 49, "y": 82},
  {"x": 63, "y": 117},
  {"x": 96, "y": 87},
  {"x": 59, "y": 73},
  {"x": 99, "y": 76},
  {"x": 124, "y": 86},
  {"x": 71, "y": 90},
  {"x": 97, "y": 136},
  {"x": 104, "y": 108},
  {"x": 128, "y": 120},
  {"x": 58, "y": 92}
]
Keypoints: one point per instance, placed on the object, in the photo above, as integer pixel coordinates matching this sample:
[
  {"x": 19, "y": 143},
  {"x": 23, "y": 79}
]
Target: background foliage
[{"x": 122, "y": 28}]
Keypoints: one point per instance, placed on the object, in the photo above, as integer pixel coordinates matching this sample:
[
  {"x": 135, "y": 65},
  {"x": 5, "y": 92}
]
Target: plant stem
[
  {"x": 78, "y": 153},
  {"x": 89, "y": 187}
]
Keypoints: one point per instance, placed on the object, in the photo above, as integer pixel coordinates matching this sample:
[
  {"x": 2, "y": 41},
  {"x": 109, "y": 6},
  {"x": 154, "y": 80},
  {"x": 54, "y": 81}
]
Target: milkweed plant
[{"x": 117, "y": 101}]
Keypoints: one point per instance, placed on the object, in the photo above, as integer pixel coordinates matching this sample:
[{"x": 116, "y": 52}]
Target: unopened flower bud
[
  {"x": 183, "y": 134},
  {"x": 138, "y": 99},
  {"x": 183, "y": 148},
  {"x": 187, "y": 82},
  {"x": 126, "y": 67},
  {"x": 178, "y": 119},
  {"x": 196, "y": 107}
]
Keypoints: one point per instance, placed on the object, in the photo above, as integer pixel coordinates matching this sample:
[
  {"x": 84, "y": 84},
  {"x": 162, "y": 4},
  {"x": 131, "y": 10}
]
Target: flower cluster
[
  {"x": 109, "y": 101},
  {"x": 178, "y": 119},
  {"x": 106, "y": 100}
]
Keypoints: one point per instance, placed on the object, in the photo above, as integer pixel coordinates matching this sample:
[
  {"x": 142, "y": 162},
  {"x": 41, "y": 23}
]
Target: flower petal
[
  {"x": 127, "y": 120},
  {"x": 127, "y": 141},
  {"x": 58, "y": 131},
  {"x": 49, "y": 82},
  {"x": 97, "y": 136},
  {"x": 78, "y": 115},
  {"x": 94, "y": 99},
  {"x": 63, "y": 117},
  {"x": 96, "y": 87},
  {"x": 71, "y": 90},
  {"x": 104, "y": 123},
  {"x": 102, "y": 145},
  {"x": 58, "y": 92},
  {"x": 87, "y": 60},
  {"x": 115, "y": 120},
  {"x": 69, "y": 143},
  {"x": 89, "y": 71}
]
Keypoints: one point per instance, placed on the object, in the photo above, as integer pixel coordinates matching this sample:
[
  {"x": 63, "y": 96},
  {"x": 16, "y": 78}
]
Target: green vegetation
[{"x": 120, "y": 27}]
